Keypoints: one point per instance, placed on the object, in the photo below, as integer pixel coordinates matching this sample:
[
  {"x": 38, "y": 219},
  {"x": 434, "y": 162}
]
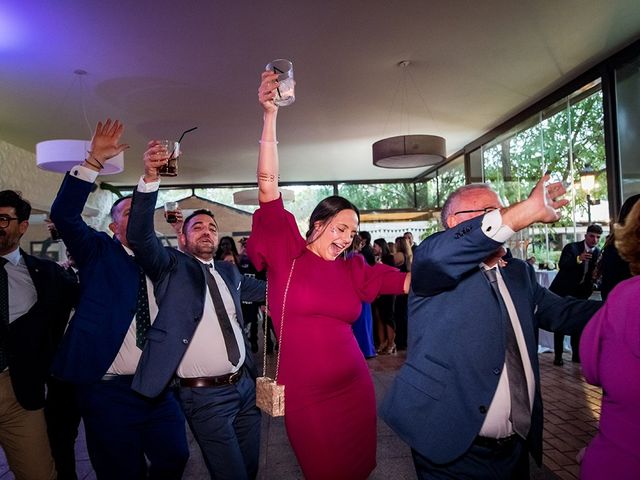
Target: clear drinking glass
[
  {"x": 171, "y": 168},
  {"x": 286, "y": 90},
  {"x": 170, "y": 212}
]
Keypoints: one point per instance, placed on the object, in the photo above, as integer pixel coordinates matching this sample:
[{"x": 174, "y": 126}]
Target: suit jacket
[
  {"x": 108, "y": 290},
  {"x": 614, "y": 269},
  {"x": 180, "y": 287},
  {"x": 456, "y": 343},
  {"x": 34, "y": 336},
  {"x": 571, "y": 278}
]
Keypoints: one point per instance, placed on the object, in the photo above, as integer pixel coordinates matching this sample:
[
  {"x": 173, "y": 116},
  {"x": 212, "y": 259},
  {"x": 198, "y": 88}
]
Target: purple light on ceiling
[{"x": 11, "y": 33}]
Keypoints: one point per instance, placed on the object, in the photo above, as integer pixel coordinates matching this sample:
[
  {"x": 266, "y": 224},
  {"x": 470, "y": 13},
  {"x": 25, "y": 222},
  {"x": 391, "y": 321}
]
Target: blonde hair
[{"x": 627, "y": 238}]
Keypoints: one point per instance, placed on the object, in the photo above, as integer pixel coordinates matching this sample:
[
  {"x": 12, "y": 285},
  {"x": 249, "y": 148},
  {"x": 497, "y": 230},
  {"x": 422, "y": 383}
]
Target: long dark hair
[
  {"x": 384, "y": 246},
  {"x": 221, "y": 252},
  {"x": 327, "y": 209}
]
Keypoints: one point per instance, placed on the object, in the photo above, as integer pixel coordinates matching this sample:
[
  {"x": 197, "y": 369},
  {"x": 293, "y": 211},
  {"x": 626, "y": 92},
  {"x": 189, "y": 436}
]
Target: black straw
[
  {"x": 180, "y": 139},
  {"x": 277, "y": 70},
  {"x": 185, "y": 132}
]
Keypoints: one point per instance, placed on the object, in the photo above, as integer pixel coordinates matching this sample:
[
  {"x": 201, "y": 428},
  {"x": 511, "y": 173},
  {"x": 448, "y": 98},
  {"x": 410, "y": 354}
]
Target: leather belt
[
  {"x": 496, "y": 443},
  {"x": 220, "y": 381},
  {"x": 109, "y": 377}
]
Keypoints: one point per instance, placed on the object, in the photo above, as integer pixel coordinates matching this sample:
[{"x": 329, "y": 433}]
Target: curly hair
[{"x": 627, "y": 238}]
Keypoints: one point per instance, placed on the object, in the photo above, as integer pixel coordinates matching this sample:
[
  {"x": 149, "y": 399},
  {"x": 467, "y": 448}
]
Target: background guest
[
  {"x": 612, "y": 269},
  {"x": 383, "y": 305},
  {"x": 367, "y": 250},
  {"x": 363, "y": 326},
  {"x": 575, "y": 278},
  {"x": 36, "y": 296},
  {"x": 403, "y": 258}
]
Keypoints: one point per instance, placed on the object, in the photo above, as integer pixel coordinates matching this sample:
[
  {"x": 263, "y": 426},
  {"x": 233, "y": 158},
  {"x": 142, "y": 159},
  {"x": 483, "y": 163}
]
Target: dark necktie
[
  {"x": 520, "y": 407},
  {"x": 233, "y": 352},
  {"x": 4, "y": 313},
  {"x": 143, "y": 317}
]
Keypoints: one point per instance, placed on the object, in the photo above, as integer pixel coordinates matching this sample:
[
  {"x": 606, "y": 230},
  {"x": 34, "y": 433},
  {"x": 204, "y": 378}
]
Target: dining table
[{"x": 545, "y": 337}]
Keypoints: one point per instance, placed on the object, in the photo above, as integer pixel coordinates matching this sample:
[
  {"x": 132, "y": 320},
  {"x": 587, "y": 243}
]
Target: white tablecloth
[
  {"x": 545, "y": 340},
  {"x": 545, "y": 277}
]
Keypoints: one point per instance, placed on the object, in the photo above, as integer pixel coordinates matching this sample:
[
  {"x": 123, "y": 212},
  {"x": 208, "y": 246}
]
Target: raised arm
[
  {"x": 268, "y": 157},
  {"x": 66, "y": 210},
  {"x": 141, "y": 235},
  {"x": 541, "y": 206}
]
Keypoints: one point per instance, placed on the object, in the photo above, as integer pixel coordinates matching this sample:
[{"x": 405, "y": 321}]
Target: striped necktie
[{"x": 520, "y": 407}]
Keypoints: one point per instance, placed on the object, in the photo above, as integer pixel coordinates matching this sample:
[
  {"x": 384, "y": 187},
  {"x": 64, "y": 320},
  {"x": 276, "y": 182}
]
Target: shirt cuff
[
  {"x": 84, "y": 173},
  {"x": 147, "y": 187},
  {"x": 493, "y": 227}
]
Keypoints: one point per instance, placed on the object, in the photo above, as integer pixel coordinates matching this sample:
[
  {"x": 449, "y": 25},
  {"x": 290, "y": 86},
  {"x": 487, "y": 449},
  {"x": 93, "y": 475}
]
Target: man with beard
[
  {"x": 36, "y": 296},
  {"x": 198, "y": 333}
]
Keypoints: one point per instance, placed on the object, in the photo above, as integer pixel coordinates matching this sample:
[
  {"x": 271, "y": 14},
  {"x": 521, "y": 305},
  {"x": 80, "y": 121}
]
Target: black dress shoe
[{"x": 558, "y": 361}]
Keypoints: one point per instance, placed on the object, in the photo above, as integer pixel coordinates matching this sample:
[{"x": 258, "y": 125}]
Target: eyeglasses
[
  {"x": 481, "y": 210},
  {"x": 5, "y": 220}
]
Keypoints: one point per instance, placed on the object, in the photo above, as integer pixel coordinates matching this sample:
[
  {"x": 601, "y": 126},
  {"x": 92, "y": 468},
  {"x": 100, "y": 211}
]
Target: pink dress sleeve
[
  {"x": 275, "y": 237},
  {"x": 590, "y": 344},
  {"x": 379, "y": 279}
]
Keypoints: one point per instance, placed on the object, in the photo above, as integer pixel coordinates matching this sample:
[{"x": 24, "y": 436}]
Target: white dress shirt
[
  {"x": 22, "y": 291},
  {"x": 497, "y": 423}
]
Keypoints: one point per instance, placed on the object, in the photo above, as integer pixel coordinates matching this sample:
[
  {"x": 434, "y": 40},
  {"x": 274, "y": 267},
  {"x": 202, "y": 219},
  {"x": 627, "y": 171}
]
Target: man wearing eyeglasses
[
  {"x": 36, "y": 297},
  {"x": 467, "y": 400}
]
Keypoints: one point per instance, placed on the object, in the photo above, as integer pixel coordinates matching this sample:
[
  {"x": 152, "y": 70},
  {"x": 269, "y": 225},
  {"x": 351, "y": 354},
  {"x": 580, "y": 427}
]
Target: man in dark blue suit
[
  {"x": 198, "y": 334},
  {"x": 102, "y": 346},
  {"x": 36, "y": 296},
  {"x": 468, "y": 400}
]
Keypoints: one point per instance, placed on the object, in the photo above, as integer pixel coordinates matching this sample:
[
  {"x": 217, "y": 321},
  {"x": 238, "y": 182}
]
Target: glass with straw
[
  {"x": 286, "y": 90},
  {"x": 170, "y": 169}
]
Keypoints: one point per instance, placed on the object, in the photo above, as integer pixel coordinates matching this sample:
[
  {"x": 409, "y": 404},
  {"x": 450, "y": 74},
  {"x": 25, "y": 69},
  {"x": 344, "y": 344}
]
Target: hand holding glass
[{"x": 286, "y": 90}]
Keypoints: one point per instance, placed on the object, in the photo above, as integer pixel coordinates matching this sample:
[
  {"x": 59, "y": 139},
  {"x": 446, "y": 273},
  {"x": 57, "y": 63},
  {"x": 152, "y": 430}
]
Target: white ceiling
[{"x": 165, "y": 66}]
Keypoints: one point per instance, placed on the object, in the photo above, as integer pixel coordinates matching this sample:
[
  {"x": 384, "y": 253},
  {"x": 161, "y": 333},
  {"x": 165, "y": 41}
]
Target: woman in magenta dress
[
  {"x": 610, "y": 355},
  {"x": 330, "y": 411}
]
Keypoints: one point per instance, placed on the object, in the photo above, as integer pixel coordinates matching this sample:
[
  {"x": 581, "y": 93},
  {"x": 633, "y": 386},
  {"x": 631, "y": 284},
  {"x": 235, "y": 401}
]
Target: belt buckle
[{"x": 234, "y": 377}]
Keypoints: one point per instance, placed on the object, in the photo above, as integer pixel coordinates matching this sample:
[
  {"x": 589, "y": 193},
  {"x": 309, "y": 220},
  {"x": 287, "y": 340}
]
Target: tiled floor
[{"x": 572, "y": 409}]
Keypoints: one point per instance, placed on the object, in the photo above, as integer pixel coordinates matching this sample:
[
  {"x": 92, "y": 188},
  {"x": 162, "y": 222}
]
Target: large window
[
  {"x": 566, "y": 139},
  {"x": 628, "y": 116}
]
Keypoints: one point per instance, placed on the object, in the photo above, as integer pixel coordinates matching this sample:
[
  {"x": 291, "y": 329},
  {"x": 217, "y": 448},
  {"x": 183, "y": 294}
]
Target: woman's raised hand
[{"x": 268, "y": 90}]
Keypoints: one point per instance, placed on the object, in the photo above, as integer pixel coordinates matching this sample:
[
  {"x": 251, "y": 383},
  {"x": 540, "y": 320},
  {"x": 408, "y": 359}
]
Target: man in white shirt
[
  {"x": 467, "y": 400},
  {"x": 36, "y": 296},
  {"x": 198, "y": 334},
  {"x": 103, "y": 343}
]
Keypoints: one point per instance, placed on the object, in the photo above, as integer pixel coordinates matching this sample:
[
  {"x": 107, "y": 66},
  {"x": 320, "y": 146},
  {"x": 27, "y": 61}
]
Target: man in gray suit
[{"x": 198, "y": 333}]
